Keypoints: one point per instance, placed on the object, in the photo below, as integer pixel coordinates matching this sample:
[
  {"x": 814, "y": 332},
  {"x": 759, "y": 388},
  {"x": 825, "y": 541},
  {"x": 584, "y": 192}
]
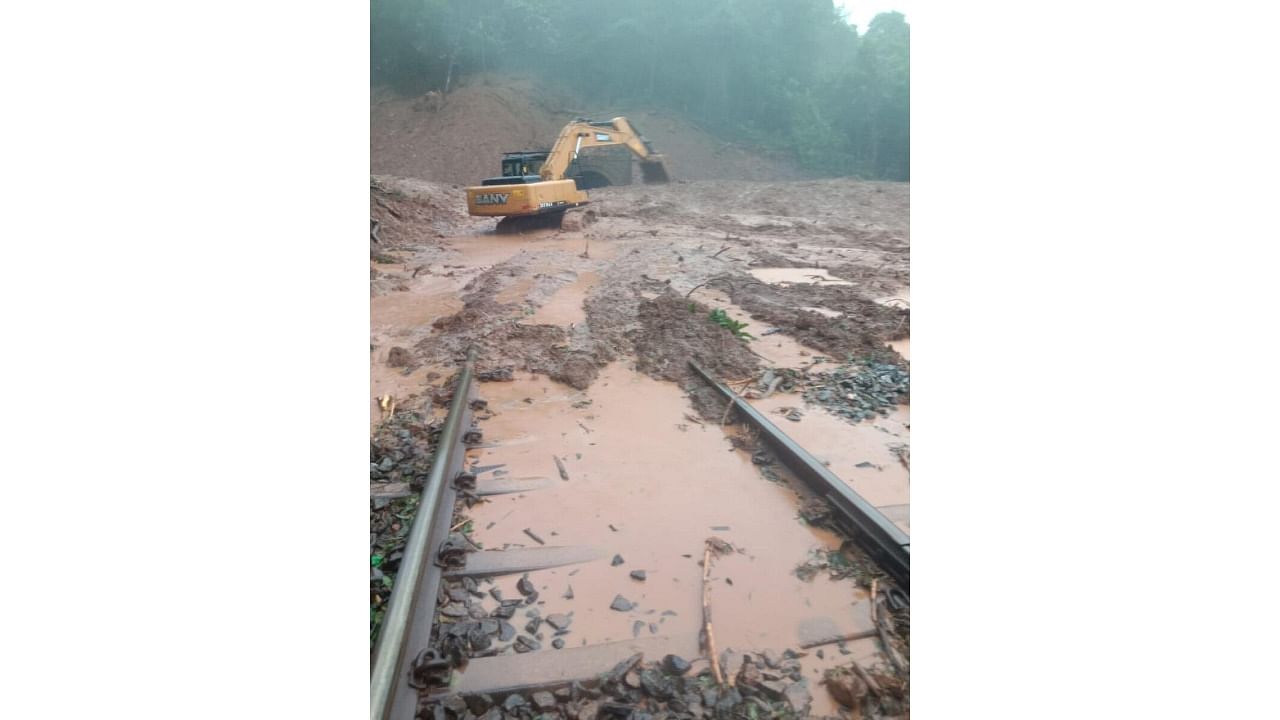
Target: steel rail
[
  {"x": 392, "y": 639},
  {"x": 884, "y": 541}
]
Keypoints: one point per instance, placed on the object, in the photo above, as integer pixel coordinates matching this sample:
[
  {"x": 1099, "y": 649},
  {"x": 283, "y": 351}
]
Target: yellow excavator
[{"x": 535, "y": 183}]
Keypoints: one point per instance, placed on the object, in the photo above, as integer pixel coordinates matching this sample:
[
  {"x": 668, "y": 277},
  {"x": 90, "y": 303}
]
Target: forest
[{"x": 791, "y": 76}]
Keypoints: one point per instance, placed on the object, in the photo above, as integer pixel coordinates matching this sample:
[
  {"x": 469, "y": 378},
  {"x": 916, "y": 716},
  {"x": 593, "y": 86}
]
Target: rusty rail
[
  {"x": 387, "y": 683},
  {"x": 884, "y": 541}
]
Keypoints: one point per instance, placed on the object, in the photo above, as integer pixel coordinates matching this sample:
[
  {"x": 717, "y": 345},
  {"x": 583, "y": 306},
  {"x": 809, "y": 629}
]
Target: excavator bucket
[{"x": 654, "y": 171}]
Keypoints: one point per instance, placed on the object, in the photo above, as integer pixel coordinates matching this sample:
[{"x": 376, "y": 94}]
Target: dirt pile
[
  {"x": 674, "y": 330},
  {"x": 409, "y": 212},
  {"x": 861, "y": 329},
  {"x": 460, "y": 139}
]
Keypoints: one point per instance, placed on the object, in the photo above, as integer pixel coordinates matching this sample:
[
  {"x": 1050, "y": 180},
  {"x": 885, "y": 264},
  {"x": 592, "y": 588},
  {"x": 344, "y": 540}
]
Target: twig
[
  {"x": 725, "y": 417},
  {"x": 537, "y": 539},
  {"x": 564, "y": 474},
  {"x": 455, "y": 527},
  {"x": 875, "y": 586},
  {"x": 706, "y": 617},
  {"x": 872, "y": 685},
  {"x": 860, "y": 635},
  {"x": 889, "y": 650},
  {"x": 726, "y": 247}
]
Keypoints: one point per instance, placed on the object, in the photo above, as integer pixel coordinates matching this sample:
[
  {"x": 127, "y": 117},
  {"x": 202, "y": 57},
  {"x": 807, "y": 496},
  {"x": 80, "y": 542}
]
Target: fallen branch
[
  {"x": 860, "y": 635},
  {"x": 706, "y": 617},
  {"x": 872, "y": 685},
  {"x": 564, "y": 474},
  {"x": 889, "y": 650}
]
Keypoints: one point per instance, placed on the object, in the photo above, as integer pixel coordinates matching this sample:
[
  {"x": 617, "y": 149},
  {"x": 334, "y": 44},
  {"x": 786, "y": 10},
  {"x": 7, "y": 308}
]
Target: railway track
[{"x": 478, "y": 627}]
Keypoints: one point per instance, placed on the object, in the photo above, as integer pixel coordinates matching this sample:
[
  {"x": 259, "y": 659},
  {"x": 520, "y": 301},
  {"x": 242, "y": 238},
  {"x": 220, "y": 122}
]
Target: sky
[{"x": 860, "y": 12}]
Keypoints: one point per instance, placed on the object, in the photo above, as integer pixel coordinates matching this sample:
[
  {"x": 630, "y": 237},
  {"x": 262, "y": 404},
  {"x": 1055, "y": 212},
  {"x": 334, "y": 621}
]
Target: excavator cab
[{"x": 519, "y": 164}]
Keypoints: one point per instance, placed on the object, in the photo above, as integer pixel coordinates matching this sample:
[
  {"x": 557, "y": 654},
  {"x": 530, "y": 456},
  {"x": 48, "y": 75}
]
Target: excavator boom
[
  {"x": 585, "y": 133},
  {"x": 550, "y": 192}
]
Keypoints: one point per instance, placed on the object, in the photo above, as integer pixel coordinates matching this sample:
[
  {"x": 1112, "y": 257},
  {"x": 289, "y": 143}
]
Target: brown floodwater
[
  {"x": 649, "y": 484},
  {"x": 862, "y": 455},
  {"x": 565, "y": 307},
  {"x": 902, "y": 347},
  {"x": 797, "y": 276}
]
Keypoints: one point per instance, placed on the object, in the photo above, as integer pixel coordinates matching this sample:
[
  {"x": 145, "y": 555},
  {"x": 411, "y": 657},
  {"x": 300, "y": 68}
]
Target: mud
[
  {"x": 596, "y": 324},
  {"x": 653, "y": 497}
]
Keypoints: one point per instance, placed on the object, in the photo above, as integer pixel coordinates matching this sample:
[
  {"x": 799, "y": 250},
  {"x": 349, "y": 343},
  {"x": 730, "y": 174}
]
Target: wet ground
[{"x": 595, "y": 326}]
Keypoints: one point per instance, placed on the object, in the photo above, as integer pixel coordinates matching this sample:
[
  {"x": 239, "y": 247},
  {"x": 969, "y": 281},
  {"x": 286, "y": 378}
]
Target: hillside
[{"x": 461, "y": 139}]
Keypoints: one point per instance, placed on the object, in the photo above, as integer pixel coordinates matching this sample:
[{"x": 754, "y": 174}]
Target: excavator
[{"x": 535, "y": 183}]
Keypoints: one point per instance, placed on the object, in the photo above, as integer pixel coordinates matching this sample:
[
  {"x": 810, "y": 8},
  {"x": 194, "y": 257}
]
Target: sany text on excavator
[{"x": 534, "y": 183}]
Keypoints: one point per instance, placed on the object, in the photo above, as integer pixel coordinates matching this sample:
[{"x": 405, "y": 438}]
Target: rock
[
  {"x": 632, "y": 679},
  {"x": 501, "y": 374},
  {"x": 589, "y": 710},
  {"x": 506, "y": 631},
  {"x": 479, "y": 639},
  {"x": 496, "y": 593},
  {"x": 774, "y": 689},
  {"x": 798, "y": 697},
  {"x": 532, "y": 626},
  {"x": 636, "y": 627},
  {"x": 503, "y": 611},
  {"x": 559, "y": 621},
  {"x": 617, "y": 560},
  {"x": 478, "y": 704},
  {"x": 675, "y": 664},
  {"x": 568, "y": 594},
  {"x": 544, "y": 700},
  {"x": 525, "y": 644},
  {"x": 525, "y": 586},
  {"x": 513, "y": 702},
  {"x": 621, "y": 604},
  {"x": 558, "y": 643},
  {"x": 845, "y": 687},
  {"x": 638, "y": 575},
  {"x": 657, "y": 685},
  {"x": 622, "y": 668},
  {"x": 454, "y": 610},
  {"x": 398, "y": 357}
]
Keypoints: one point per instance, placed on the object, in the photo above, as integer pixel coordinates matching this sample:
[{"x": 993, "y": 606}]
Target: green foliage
[
  {"x": 721, "y": 318},
  {"x": 787, "y": 76}
]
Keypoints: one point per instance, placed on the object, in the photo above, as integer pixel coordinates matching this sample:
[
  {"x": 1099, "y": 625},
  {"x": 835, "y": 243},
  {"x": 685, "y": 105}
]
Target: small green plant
[{"x": 721, "y": 318}]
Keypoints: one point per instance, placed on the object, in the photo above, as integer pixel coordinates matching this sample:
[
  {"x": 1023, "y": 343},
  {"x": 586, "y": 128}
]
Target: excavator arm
[{"x": 584, "y": 133}]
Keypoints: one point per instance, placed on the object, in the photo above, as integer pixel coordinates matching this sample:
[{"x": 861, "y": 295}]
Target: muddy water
[
  {"x": 649, "y": 484},
  {"x": 862, "y": 455},
  {"x": 566, "y": 307},
  {"x": 797, "y": 276},
  {"x": 902, "y": 347}
]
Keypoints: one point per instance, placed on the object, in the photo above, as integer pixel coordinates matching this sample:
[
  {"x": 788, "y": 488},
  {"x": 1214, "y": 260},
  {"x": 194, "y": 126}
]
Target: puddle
[
  {"x": 565, "y": 306},
  {"x": 902, "y": 347},
  {"x": 797, "y": 276},
  {"x": 862, "y": 455},
  {"x": 663, "y": 482}
]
